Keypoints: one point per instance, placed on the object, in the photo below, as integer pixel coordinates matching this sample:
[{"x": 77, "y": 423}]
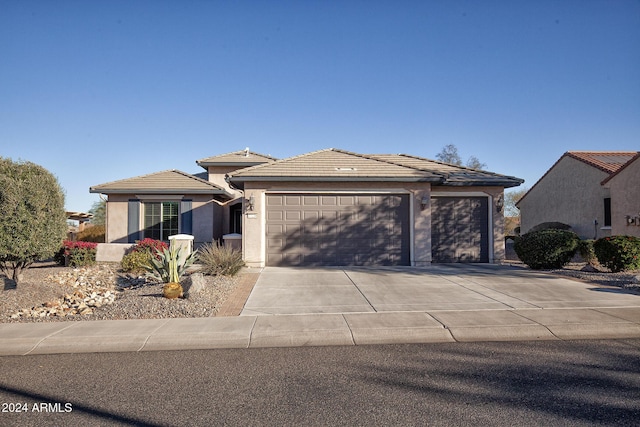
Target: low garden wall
[{"x": 111, "y": 252}]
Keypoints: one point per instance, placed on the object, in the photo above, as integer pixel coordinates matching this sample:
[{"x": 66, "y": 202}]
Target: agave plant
[{"x": 169, "y": 266}]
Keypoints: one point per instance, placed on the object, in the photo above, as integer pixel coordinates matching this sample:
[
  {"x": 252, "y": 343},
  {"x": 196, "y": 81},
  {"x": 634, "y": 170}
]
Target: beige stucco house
[
  {"x": 624, "y": 189},
  {"x": 328, "y": 207},
  {"x": 593, "y": 192}
]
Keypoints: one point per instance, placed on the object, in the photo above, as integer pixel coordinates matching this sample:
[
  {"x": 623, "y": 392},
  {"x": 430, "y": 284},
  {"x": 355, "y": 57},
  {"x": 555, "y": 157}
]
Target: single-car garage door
[
  {"x": 460, "y": 229},
  {"x": 337, "y": 229}
]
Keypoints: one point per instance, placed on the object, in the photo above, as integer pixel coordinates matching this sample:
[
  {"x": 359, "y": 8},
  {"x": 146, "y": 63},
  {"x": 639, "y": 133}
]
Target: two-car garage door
[
  {"x": 337, "y": 229},
  {"x": 370, "y": 229}
]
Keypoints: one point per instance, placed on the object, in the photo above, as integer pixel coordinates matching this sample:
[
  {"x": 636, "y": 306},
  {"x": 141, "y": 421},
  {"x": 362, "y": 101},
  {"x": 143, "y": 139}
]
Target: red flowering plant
[
  {"x": 150, "y": 245},
  {"x": 138, "y": 258},
  {"x": 76, "y": 253}
]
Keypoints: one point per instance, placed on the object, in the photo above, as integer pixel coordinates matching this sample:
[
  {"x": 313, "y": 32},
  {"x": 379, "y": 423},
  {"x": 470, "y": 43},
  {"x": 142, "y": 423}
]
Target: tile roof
[
  {"x": 333, "y": 165},
  {"x": 165, "y": 182},
  {"x": 236, "y": 158},
  {"x": 452, "y": 174},
  {"x": 620, "y": 169},
  {"x": 606, "y": 161},
  {"x": 609, "y": 162},
  {"x": 340, "y": 165}
]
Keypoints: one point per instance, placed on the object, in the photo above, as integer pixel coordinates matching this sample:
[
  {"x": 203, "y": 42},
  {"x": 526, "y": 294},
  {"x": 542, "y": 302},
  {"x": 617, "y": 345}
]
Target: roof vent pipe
[{"x": 246, "y": 152}]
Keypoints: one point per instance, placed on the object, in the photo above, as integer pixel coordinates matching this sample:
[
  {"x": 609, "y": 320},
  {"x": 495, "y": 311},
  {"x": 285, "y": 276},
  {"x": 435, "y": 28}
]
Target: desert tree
[
  {"x": 33, "y": 221},
  {"x": 449, "y": 154},
  {"x": 512, "y": 197},
  {"x": 99, "y": 211}
]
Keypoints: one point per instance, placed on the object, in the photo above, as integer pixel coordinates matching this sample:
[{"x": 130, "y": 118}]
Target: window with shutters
[{"x": 161, "y": 219}]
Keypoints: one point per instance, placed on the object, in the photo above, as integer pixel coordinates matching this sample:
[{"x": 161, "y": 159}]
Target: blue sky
[{"x": 97, "y": 91}]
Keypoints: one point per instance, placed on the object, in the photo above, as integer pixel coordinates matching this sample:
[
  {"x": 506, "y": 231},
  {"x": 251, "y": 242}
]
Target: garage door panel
[
  {"x": 275, "y": 229},
  {"x": 329, "y": 201},
  {"x": 346, "y": 229},
  {"x": 275, "y": 216},
  {"x": 311, "y": 200},
  {"x": 460, "y": 229},
  {"x": 273, "y": 200}
]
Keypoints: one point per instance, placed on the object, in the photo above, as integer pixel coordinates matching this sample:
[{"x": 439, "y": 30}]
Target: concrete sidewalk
[{"x": 364, "y": 306}]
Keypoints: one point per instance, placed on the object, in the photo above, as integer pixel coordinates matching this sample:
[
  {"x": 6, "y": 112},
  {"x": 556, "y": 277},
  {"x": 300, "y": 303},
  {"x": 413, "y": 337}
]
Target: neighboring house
[
  {"x": 624, "y": 189},
  {"x": 592, "y": 191},
  {"x": 328, "y": 207}
]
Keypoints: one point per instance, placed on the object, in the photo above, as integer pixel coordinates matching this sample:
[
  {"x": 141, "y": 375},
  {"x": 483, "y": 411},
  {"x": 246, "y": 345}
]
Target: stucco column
[
  {"x": 498, "y": 225},
  {"x": 421, "y": 214},
  {"x": 253, "y": 232}
]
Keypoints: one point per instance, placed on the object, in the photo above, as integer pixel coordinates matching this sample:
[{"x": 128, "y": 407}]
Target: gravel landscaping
[{"x": 50, "y": 293}]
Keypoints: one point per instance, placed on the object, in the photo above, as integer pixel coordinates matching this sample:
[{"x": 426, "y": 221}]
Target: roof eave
[
  {"x": 485, "y": 183},
  {"x": 235, "y": 164},
  {"x": 158, "y": 191},
  {"x": 331, "y": 179}
]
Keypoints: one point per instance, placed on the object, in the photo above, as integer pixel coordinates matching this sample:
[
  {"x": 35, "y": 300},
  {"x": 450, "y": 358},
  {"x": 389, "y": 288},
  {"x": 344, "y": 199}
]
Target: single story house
[
  {"x": 624, "y": 189},
  {"x": 328, "y": 207},
  {"x": 595, "y": 192}
]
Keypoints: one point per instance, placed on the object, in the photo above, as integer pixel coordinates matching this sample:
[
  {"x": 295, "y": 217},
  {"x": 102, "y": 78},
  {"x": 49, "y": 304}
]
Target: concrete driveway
[
  {"x": 451, "y": 287},
  {"x": 356, "y": 306}
]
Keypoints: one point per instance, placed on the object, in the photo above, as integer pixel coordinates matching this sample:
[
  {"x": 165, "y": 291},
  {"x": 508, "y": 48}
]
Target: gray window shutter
[
  {"x": 186, "y": 217},
  {"x": 133, "y": 220}
]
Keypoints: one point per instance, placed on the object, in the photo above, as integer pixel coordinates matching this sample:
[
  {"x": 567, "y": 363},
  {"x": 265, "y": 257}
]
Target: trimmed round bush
[
  {"x": 587, "y": 252},
  {"x": 546, "y": 249},
  {"x": 136, "y": 261},
  {"x": 618, "y": 253},
  {"x": 553, "y": 225}
]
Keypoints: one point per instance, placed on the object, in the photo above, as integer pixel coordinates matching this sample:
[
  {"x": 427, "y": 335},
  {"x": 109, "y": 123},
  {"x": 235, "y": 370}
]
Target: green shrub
[
  {"x": 217, "y": 259},
  {"x": 33, "y": 222},
  {"x": 550, "y": 226},
  {"x": 618, "y": 253},
  {"x": 545, "y": 249},
  {"x": 587, "y": 251},
  {"x": 78, "y": 254},
  {"x": 136, "y": 261}
]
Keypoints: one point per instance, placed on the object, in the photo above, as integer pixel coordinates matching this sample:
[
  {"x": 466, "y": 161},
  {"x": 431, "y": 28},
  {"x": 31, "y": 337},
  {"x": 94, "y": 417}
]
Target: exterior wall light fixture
[
  {"x": 500, "y": 203},
  {"x": 250, "y": 203},
  {"x": 424, "y": 202}
]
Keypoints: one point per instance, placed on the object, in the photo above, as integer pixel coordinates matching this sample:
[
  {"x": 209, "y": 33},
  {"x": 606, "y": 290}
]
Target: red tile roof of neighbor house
[
  {"x": 607, "y": 161},
  {"x": 620, "y": 169}
]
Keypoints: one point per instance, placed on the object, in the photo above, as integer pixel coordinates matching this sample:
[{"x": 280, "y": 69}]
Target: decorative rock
[
  {"x": 635, "y": 279},
  {"x": 590, "y": 269},
  {"x": 92, "y": 291},
  {"x": 193, "y": 284}
]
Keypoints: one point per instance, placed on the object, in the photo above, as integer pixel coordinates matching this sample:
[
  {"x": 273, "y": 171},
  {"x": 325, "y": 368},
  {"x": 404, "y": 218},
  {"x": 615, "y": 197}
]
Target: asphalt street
[{"x": 569, "y": 383}]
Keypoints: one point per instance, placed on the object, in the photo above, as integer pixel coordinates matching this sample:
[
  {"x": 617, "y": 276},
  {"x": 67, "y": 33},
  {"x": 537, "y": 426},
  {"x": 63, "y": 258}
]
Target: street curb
[{"x": 318, "y": 330}]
